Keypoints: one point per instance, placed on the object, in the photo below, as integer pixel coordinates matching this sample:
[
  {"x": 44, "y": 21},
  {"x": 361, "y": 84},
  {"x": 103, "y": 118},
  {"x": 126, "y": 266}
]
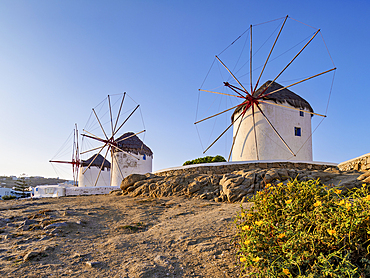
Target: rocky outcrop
[
  {"x": 365, "y": 178},
  {"x": 361, "y": 163},
  {"x": 232, "y": 186}
]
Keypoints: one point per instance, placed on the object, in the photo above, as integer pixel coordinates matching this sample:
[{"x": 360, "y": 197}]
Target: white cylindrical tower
[
  {"x": 90, "y": 176},
  {"x": 131, "y": 157},
  {"x": 294, "y": 127}
]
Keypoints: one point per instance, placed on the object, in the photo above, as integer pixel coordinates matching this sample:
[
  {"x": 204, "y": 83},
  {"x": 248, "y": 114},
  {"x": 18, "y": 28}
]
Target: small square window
[
  {"x": 297, "y": 131},
  {"x": 301, "y": 113}
]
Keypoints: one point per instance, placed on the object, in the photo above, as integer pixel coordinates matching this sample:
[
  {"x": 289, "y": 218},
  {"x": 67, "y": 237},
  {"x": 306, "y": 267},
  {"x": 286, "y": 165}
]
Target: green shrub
[
  {"x": 206, "y": 159},
  {"x": 8, "y": 197},
  {"x": 305, "y": 229}
]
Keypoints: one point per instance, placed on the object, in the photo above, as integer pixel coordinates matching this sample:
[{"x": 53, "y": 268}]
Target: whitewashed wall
[
  {"x": 95, "y": 190},
  {"x": 90, "y": 176},
  {"x": 270, "y": 147},
  {"x": 49, "y": 191},
  {"x": 45, "y": 191},
  {"x": 129, "y": 165},
  {"x": 5, "y": 192}
]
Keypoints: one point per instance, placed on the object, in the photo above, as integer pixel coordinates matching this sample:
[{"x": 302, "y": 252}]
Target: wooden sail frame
[{"x": 75, "y": 160}]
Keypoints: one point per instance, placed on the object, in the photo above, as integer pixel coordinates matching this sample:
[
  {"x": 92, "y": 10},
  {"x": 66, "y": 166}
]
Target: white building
[
  {"x": 4, "y": 191},
  {"x": 134, "y": 157},
  {"x": 90, "y": 176},
  {"x": 294, "y": 127},
  {"x": 42, "y": 191},
  {"x": 63, "y": 189}
]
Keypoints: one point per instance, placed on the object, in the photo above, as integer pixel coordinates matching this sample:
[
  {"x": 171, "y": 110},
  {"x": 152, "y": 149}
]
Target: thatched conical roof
[
  {"x": 129, "y": 142},
  {"x": 281, "y": 96},
  {"x": 97, "y": 162}
]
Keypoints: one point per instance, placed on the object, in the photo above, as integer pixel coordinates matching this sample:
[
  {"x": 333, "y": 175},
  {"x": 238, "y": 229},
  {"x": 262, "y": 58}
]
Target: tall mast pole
[{"x": 250, "y": 62}]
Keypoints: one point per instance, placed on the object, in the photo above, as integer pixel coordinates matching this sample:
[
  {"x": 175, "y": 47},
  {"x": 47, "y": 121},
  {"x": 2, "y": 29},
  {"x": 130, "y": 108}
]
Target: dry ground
[{"x": 116, "y": 236}]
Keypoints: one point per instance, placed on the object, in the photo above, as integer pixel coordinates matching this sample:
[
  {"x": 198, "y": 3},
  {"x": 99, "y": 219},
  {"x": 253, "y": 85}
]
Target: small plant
[
  {"x": 8, "y": 197},
  {"x": 134, "y": 227},
  {"x": 206, "y": 159},
  {"x": 305, "y": 229}
]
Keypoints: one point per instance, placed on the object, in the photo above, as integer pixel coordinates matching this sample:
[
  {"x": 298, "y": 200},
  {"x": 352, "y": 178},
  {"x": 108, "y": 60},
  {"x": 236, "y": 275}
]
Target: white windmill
[
  {"x": 127, "y": 153},
  {"x": 269, "y": 122}
]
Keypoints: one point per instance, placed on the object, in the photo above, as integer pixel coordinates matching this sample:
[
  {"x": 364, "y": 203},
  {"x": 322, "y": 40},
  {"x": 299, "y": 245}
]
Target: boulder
[
  {"x": 234, "y": 188},
  {"x": 31, "y": 255},
  {"x": 225, "y": 182},
  {"x": 140, "y": 190},
  {"x": 283, "y": 174},
  {"x": 131, "y": 180},
  {"x": 194, "y": 187},
  {"x": 366, "y": 180},
  {"x": 271, "y": 175},
  {"x": 365, "y": 177}
]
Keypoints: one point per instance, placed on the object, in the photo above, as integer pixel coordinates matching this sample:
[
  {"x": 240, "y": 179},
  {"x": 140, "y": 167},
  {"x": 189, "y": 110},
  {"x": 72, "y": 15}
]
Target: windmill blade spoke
[
  {"x": 91, "y": 150},
  {"x": 123, "y": 139},
  {"x": 100, "y": 123},
  {"x": 77, "y": 156},
  {"x": 255, "y": 132},
  {"x": 74, "y": 144},
  {"x": 101, "y": 167},
  {"x": 216, "y": 114},
  {"x": 303, "y": 80},
  {"x": 291, "y": 60},
  {"x": 237, "y": 131},
  {"x": 119, "y": 112},
  {"x": 277, "y": 133},
  {"x": 119, "y": 168},
  {"x": 292, "y": 108},
  {"x": 222, "y": 133},
  {"x": 250, "y": 60},
  {"x": 125, "y": 120},
  {"x": 268, "y": 57},
  {"x": 92, "y": 161},
  {"x": 110, "y": 113},
  {"x": 95, "y": 138},
  {"x": 61, "y": 161},
  {"x": 123, "y": 151},
  {"x": 240, "y": 84},
  {"x": 235, "y": 89},
  {"x": 234, "y": 138},
  {"x": 218, "y": 93}
]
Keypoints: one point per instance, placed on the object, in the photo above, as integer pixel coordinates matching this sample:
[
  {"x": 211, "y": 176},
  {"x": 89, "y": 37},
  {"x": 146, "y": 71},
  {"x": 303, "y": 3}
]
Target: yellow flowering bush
[{"x": 305, "y": 229}]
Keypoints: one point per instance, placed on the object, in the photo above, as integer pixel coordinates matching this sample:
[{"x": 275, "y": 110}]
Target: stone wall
[
  {"x": 361, "y": 163},
  {"x": 221, "y": 168},
  {"x": 232, "y": 182}
]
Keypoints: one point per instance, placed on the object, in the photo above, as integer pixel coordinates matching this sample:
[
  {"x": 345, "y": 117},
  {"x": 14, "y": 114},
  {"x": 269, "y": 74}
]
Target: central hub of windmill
[{"x": 250, "y": 99}]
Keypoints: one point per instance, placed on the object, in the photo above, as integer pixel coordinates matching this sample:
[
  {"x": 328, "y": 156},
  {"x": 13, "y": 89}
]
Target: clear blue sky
[{"x": 58, "y": 59}]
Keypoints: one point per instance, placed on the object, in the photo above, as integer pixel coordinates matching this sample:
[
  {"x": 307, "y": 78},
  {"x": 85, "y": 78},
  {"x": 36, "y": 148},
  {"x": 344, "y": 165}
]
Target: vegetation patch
[
  {"x": 206, "y": 159},
  {"x": 8, "y": 197},
  {"x": 133, "y": 227},
  {"x": 305, "y": 229}
]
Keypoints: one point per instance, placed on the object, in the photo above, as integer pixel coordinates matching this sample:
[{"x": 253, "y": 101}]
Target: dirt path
[{"x": 116, "y": 236}]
